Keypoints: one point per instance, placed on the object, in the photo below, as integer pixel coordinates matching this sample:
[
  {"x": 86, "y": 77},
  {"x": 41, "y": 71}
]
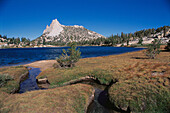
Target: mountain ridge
[
  {"x": 62, "y": 33},
  {"x": 83, "y": 36}
]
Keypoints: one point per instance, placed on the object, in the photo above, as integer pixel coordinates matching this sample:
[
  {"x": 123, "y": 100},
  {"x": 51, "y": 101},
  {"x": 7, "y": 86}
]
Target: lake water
[{"x": 20, "y": 56}]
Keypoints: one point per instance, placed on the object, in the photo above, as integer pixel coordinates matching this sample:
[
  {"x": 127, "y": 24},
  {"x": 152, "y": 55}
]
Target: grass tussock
[
  {"x": 10, "y": 78},
  {"x": 143, "y": 84},
  {"x": 108, "y": 68},
  {"x": 57, "y": 77},
  {"x": 60, "y": 100},
  {"x": 144, "y": 89},
  {"x": 141, "y": 95}
]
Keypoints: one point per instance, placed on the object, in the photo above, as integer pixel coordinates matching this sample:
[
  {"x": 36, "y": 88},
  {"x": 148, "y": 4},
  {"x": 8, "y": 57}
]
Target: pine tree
[
  {"x": 69, "y": 57},
  {"x": 153, "y": 49},
  {"x": 44, "y": 41},
  {"x": 168, "y": 46},
  {"x": 140, "y": 40}
]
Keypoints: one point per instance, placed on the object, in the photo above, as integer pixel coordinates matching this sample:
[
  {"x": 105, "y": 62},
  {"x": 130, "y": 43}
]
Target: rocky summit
[{"x": 61, "y": 33}]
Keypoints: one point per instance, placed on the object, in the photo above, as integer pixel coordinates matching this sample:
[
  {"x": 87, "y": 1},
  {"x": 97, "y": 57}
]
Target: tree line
[
  {"x": 109, "y": 41},
  {"x": 15, "y": 41},
  {"x": 118, "y": 39}
]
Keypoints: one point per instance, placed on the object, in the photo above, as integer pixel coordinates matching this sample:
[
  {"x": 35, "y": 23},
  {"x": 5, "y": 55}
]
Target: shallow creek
[
  {"x": 96, "y": 105},
  {"x": 100, "y": 103},
  {"x": 30, "y": 83}
]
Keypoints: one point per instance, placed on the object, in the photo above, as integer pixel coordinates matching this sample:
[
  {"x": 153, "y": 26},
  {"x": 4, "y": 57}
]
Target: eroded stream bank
[
  {"x": 30, "y": 84},
  {"x": 99, "y": 103}
]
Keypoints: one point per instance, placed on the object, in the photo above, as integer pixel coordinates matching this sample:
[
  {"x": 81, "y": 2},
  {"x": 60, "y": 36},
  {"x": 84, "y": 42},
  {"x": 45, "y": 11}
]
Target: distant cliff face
[
  {"x": 61, "y": 33},
  {"x": 54, "y": 29}
]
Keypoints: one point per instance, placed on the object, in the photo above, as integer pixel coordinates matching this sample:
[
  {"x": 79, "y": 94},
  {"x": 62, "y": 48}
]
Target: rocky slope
[
  {"x": 61, "y": 33},
  {"x": 147, "y": 36}
]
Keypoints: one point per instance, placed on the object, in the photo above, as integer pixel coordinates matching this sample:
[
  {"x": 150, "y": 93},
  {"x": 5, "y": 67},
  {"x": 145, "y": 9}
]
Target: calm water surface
[
  {"x": 26, "y": 55},
  {"x": 30, "y": 84}
]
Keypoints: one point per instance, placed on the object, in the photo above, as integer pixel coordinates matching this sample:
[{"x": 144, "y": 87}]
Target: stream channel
[
  {"x": 100, "y": 103},
  {"x": 30, "y": 83}
]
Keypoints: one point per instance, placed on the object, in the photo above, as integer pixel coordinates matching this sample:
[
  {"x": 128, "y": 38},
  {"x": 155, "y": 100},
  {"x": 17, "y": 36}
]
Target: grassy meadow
[
  {"x": 11, "y": 77},
  {"x": 60, "y": 100},
  {"x": 142, "y": 84}
]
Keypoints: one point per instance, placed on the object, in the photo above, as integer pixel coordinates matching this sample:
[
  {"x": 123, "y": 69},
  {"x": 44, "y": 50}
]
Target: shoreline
[
  {"x": 48, "y": 47},
  {"x": 124, "y": 70},
  {"x": 68, "y": 46},
  {"x": 35, "y": 63},
  {"x": 49, "y": 63}
]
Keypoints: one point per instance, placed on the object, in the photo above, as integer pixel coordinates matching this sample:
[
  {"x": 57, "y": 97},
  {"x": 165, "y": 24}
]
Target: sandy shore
[{"x": 43, "y": 64}]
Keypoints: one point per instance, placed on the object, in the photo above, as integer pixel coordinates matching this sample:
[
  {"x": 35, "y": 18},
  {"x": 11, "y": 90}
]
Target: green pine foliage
[
  {"x": 153, "y": 49},
  {"x": 69, "y": 57},
  {"x": 140, "y": 41},
  {"x": 168, "y": 46}
]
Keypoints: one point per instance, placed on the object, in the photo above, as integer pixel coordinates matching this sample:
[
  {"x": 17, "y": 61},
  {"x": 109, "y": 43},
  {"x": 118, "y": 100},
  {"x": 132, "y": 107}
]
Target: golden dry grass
[
  {"x": 133, "y": 70},
  {"x": 15, "y": 72},
  {"x": 142, "y": 94},
  {"x": 68, "y": 99},
  {"x": 107, "y": 68}
]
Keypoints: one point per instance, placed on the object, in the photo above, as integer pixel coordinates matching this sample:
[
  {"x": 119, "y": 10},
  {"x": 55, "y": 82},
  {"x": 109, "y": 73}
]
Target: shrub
[
  {"x": 140, "y": 41},
  {"x": 122, "y": 45},
  {"x": 168, "y": 46},
  {"x": 4, "y": 78},
  {"x": 153, "y": 49},
  {"x": 69, "y": 57}
]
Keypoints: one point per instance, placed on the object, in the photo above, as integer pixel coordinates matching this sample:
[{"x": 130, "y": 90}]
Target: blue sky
[{"x": 28, "y": 18}]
